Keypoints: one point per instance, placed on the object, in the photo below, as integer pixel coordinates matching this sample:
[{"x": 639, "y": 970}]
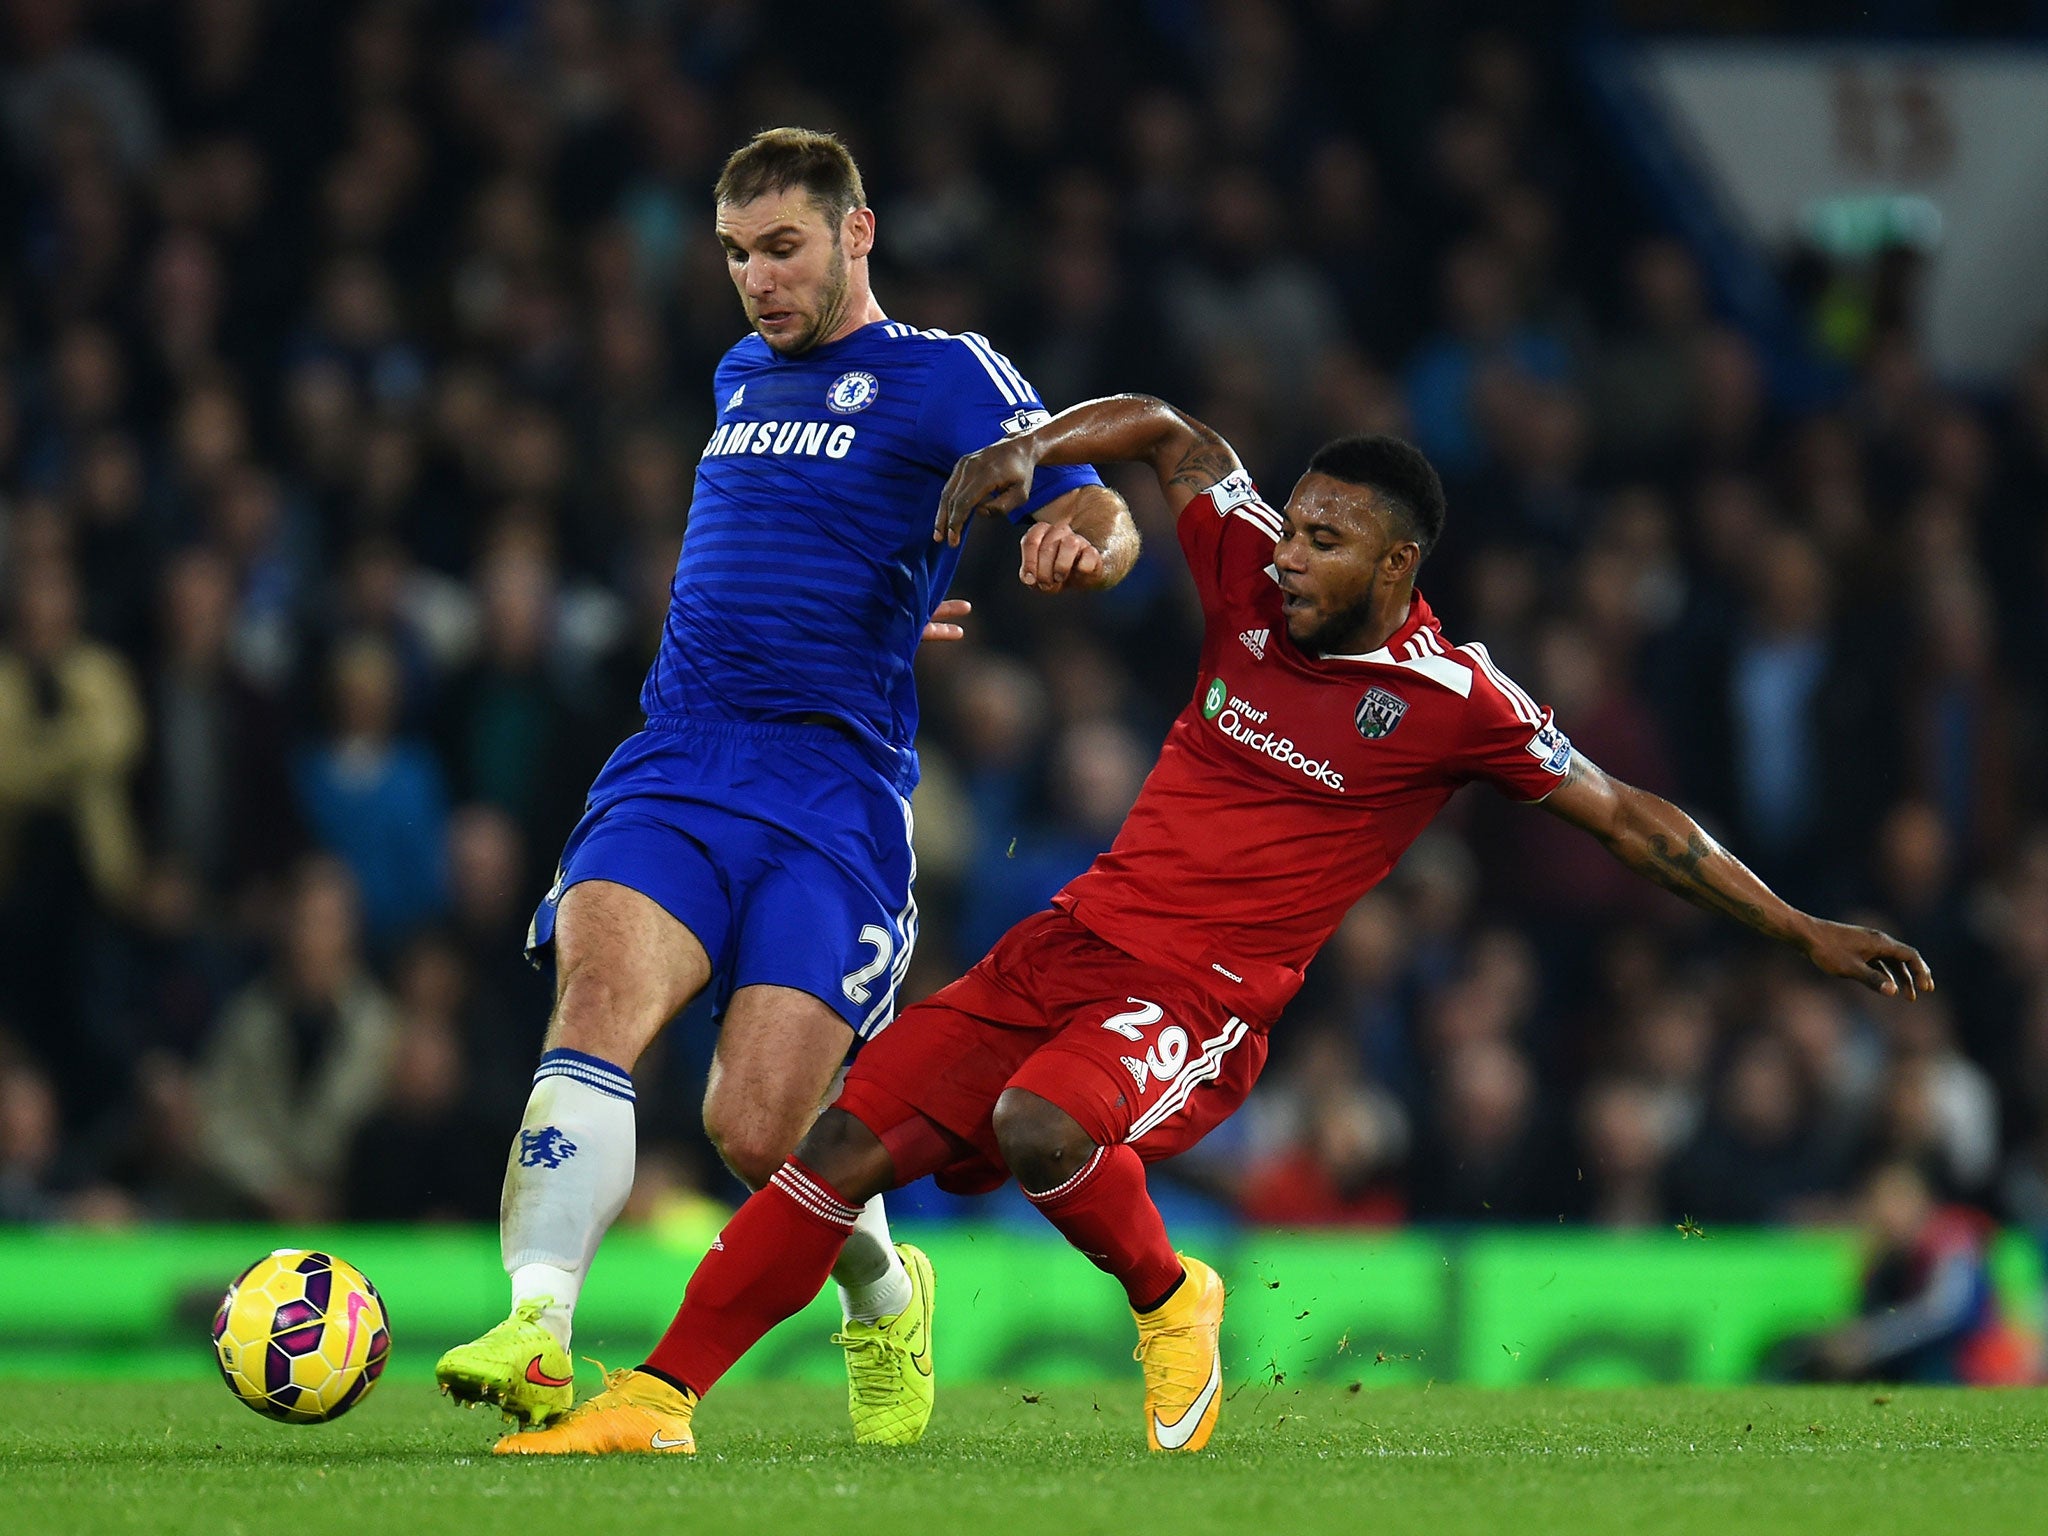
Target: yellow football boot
[
  {"x": 635, "y": 1414},
  {"x": 518, "y": 1366},
  {"x": 1183, "y": 1360},
  {"x": 889, "y": 1386}
]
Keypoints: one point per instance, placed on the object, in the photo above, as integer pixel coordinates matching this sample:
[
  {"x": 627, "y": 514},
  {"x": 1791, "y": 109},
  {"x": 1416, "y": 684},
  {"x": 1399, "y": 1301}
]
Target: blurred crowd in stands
[{"x": 353, "y": 361}]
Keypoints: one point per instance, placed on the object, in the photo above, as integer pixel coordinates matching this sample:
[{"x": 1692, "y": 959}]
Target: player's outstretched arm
[
  {"x": 1659, "y": 841},
  {"x": 1187, "y": 457}
]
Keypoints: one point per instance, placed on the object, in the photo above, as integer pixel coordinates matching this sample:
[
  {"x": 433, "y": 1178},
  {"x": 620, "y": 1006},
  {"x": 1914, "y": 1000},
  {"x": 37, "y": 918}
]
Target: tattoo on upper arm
[{"x": 1207, "y": 461}]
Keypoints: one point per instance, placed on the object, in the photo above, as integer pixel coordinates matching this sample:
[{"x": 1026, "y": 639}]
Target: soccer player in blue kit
[{"x": 754, "y": 838}]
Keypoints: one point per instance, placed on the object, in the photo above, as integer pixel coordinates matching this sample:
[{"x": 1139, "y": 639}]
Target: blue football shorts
[{"x": 781, "y": 847}]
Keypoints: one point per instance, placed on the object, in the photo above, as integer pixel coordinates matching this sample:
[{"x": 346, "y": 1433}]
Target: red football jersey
[{"x": 1292, "y": 784}]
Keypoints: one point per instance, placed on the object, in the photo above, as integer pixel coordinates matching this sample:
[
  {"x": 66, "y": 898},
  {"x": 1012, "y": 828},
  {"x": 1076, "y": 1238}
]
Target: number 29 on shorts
[{"x": 1169, "y": 1050}]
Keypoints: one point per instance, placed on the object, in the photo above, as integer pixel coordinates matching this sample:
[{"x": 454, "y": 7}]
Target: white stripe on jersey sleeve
[
  {"x": 1520, "y": 702},
  {"x": 1517, "y": 700},
  {"x": 1270, "y": 526},
  {"x": 985, "y": 355},
  {"x": 1520, "y": 692},
  {"x": 1024, "y": 390}
]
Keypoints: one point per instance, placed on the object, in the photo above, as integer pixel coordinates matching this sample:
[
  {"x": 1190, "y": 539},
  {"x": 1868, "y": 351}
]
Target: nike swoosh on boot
[
  {"x": 541, "y": 1378},
  {"x": 1175, "y": 1435}
]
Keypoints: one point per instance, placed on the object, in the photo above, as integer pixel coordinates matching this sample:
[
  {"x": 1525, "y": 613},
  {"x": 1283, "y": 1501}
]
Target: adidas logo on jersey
[
  {"x": 732, "y": 402},
  {"x": 1255, "y": 642}
]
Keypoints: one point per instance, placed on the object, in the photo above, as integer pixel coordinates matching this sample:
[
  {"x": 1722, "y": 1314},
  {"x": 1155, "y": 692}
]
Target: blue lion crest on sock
[{"x": 544, "y": 1148}]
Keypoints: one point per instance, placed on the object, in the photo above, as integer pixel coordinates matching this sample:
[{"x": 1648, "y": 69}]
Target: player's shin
[
  {"x": 566, "y": 1180},
  {"x": 873, "y": 1284},
  {"x": 765, "y": 1266},
  {"x": 1104, "y": 1211}
]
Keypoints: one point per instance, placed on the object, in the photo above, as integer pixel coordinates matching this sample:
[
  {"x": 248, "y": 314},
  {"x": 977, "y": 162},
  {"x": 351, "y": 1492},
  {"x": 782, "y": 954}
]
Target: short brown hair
[{"x": 777, "y": 159}]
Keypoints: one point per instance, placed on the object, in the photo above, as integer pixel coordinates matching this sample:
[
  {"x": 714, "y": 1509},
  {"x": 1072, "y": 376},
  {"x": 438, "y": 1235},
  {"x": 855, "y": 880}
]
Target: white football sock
[
  {"x": 873, "y": 1284},
  {"x": 566, "y": 1180},
  {"x": 555, "y": 1286}
]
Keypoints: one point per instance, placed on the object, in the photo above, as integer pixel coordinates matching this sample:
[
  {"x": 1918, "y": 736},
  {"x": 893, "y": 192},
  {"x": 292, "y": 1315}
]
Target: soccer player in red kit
[{"x": 1331, "y": 720}]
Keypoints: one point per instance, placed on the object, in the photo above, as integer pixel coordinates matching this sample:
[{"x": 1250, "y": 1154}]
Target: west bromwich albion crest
[
  {"x": 852, "y": 392},
  {"x": 1379, "y": 712}
]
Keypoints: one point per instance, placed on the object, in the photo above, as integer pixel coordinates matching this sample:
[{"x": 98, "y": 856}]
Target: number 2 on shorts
[{"x": 855, "y": 983}]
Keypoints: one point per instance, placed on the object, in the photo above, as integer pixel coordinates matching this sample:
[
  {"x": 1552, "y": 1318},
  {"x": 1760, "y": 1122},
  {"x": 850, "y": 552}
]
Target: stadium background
[{"x": 353, "y": 359}]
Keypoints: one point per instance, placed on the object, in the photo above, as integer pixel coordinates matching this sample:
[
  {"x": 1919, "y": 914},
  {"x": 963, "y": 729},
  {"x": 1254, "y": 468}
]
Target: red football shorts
[{"x": 1133, "y": 1054}]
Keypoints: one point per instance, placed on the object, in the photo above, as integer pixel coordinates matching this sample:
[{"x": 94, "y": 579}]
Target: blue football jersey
[{"x": 809, "y": 569}]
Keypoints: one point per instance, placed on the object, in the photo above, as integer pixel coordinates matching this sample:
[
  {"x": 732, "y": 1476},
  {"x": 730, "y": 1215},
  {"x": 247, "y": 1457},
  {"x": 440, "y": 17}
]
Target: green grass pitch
[{"x": 83, "y": 1458}]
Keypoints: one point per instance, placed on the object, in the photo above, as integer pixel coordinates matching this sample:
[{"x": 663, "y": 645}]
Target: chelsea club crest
[{"x": 852, "y": 392}]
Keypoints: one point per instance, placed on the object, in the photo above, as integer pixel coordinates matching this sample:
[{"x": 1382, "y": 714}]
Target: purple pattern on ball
[
  {"x": 294, "y": 1314},
  {"x": 319, "y": 1284},
  {"x": 300, "y": 1341},
  {"x": 353, "y": 1395},
  {"x": 277, "y": 1369}
]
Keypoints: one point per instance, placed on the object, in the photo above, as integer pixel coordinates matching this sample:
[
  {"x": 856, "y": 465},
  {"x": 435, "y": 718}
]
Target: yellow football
[{"x": 301, "y": 1336}]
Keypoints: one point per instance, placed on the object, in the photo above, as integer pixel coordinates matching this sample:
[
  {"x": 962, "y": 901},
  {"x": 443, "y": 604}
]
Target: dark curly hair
[{"x": 1397, "y": 470}]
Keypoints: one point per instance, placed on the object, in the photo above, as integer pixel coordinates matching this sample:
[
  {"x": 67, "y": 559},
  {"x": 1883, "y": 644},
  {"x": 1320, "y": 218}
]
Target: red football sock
[
  {"x": 1104, "y": 1211},
  {"x": 770, "y": 1260}
]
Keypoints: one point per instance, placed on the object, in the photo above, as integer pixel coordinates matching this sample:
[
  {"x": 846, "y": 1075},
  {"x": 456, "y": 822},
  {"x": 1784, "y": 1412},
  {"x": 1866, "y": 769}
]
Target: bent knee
[
  {"x": 750, "y": 1147},
  {"x": 1043, "y": 1144}
]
